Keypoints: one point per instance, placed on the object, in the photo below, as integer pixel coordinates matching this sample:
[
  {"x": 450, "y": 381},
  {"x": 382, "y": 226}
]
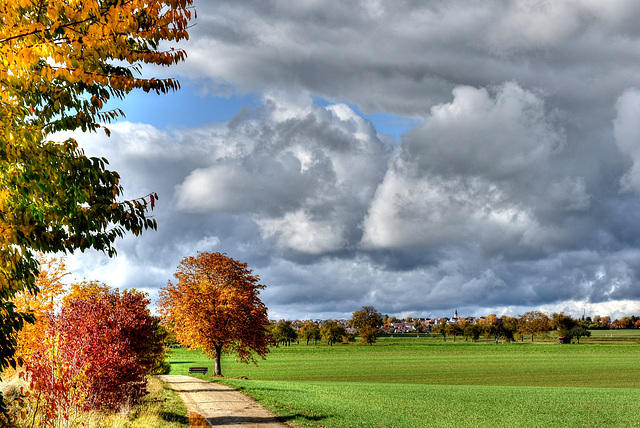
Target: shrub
[{"x": 96, "y": 353}]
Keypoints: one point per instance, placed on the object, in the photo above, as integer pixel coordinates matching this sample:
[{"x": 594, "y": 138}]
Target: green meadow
[{"x": 411, "y": 382}]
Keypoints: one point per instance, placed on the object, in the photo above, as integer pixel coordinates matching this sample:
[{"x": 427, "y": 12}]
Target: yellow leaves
[
  {"x": 49, "y": 281},
  {"x": 80, "y": 38}
]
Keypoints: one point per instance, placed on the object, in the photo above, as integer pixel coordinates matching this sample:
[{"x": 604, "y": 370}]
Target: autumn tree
[
  {"x": 472, "y": 331},
  {"x": 332, "y": 332},
  {"x": 51, "y": 287},
  {"x": 625, "y": 322},
  {"x": 509, "y": 327},
  {"x": 454, "y": 329},
  {"x": 215, "y": 306},
  {"x": 501, "y": 328},
  {"x": 283, "y": 333},
  {"x": 441, "y": 328},
  {"x": 310, "y": 331},
  {"x": 368, "y": 322},
  {"x": 60, "y": 62},
  {"x": 533, "y": 322},
  {"x": 562, "y": 323}
]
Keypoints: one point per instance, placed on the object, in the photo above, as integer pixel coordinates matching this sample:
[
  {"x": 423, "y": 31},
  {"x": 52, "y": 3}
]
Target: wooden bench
[{"x": 202, "y": 370}]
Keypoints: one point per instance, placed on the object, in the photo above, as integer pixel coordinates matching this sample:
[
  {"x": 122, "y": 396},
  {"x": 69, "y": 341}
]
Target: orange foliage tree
[
  {"x": 368, "y": 322},
  {"x": 51, "y": 288},
  {"x": 215, "y": 306}
]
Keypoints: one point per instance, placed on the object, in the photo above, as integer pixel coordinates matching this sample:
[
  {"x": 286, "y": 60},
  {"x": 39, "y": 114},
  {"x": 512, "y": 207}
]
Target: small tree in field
[
  {"x": 368, "y": 322},
  {"x": 310, "y": 331},
  {"x": 283, "y": 333},
  {"x": 473, "y": 331},
  {"x": 534, "y": 322},
  {"x": 578, "y": 332},
  {"x": 331, "y": 332},
  {"x": 441, "y": 328},
  {"x": 215, "y": 306},
  {"x": 454, "y": 329}
]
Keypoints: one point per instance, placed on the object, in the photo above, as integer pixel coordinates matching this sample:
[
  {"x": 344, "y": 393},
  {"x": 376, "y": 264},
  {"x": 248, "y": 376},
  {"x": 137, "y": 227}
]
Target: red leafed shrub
[{"x": 96, "y": 353}]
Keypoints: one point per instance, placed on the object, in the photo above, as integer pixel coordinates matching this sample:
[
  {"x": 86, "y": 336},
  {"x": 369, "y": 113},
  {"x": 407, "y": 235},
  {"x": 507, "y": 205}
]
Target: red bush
[{"x": 96, "y": 353}]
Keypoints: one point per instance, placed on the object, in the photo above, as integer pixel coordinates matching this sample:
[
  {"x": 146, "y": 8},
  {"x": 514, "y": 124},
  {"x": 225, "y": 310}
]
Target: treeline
[
  {"x": 531, "y": 324},
  {"x": 283, "y": 333},
  {"x": 595, "y": 323},
  {"x": 368, "y": 324}
]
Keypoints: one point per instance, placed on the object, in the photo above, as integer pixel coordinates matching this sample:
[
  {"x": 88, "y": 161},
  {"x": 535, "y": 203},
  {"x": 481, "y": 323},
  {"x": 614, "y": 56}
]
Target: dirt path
[{"x": 220, "y": 405}]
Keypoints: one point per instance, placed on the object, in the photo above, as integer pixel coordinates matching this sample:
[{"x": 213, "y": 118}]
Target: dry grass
[{"x": 161, "y": 408}]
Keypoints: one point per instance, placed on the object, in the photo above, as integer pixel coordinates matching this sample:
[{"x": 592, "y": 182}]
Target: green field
[{"x": 425, "y": 382}]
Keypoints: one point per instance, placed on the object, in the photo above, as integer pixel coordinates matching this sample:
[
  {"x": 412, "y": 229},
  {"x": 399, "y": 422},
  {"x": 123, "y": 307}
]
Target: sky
[{"x": 419, "y": 157}]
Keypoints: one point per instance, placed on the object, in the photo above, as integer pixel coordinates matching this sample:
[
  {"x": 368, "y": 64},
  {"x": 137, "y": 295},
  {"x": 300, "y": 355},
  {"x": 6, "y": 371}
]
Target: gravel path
[{"x": 220, "y": 405}]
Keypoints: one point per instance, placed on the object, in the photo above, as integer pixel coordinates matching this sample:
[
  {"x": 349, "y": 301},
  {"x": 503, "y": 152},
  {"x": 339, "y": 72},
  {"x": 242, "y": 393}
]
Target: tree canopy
[
  {"x": 215, "y": 306},
  {"x": 562, "y": 323},
  {"x": 60, "y": 62},
  {"x": 50, "y": 291},
  {"x": 534, "y": 322}
]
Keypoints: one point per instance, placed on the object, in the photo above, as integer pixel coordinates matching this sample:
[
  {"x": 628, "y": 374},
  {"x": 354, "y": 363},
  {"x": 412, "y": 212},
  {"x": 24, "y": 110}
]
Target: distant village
[{"x": 393, "y": 325}]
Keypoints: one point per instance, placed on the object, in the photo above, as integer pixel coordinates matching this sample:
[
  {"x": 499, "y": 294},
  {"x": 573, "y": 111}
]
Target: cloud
[
  {"x": 403, "y": 57},
  {"x": 515, "y": 190},
  {"x": 467, "y": 175},
  {"x": 305, "y": 178},
  {"x": 627, "y": 134}
]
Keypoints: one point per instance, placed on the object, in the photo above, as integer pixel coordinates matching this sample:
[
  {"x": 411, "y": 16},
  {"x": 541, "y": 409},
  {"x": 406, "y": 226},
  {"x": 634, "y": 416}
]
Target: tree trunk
[{"x": 217, "y": 371}]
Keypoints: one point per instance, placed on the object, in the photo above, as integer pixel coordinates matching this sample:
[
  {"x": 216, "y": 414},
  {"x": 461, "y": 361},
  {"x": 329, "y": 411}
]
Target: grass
[
  {"x": 618, "y": 333},
  {"x": 331, "y": 404},
  {"x": 161, "y": 408},
  {"x": 423, "y": 382}
]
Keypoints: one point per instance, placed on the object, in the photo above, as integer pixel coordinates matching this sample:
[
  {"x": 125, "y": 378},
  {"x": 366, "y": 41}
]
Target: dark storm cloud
[
  {"x": 519, "y": 188},
  {"x": 402, "y": 57}
]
